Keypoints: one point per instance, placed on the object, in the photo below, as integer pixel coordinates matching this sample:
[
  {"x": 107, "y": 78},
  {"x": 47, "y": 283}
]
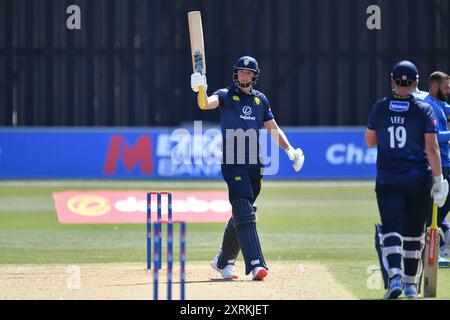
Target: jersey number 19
[{"x": 397, "y": 137}]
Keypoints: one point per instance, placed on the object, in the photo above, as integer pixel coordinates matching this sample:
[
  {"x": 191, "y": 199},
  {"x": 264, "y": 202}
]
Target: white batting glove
[
  {"x": 296, "y": 156},
  {"x": 198, "y": 80},
  {"x": 439, "y": 191}
]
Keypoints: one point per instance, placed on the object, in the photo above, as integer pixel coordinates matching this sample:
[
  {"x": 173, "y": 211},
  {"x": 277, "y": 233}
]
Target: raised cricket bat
[
  {"x": 431, "y": 257},
  {"x": 197, "y": 50}
]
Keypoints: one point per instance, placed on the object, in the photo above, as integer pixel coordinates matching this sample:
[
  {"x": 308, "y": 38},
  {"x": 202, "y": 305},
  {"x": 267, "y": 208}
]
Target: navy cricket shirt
[
  {"x": 242, "y": 112},
  {"x": 400, "y": 123}
]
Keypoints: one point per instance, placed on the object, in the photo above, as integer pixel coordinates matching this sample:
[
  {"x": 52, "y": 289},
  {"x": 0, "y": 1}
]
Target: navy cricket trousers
[
  {"x": 404, "y": 206},
  {"x": 244, "y": 181}
]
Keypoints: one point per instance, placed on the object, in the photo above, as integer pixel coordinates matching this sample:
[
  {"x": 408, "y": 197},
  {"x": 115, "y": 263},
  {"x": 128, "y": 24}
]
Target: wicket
[{"x": 157, "y": 245}]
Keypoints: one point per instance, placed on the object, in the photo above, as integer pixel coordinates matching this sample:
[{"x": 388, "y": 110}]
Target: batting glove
[
  {"x": 198, "y": 80},
  {"x": 296, "y": 156},
  {"x": 439, "y": 191}
]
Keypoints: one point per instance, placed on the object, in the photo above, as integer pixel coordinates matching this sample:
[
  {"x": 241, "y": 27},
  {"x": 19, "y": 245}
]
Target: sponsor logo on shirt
[
  {"x": 247, "y": 111},
  {"x": 399, "y": 106}
]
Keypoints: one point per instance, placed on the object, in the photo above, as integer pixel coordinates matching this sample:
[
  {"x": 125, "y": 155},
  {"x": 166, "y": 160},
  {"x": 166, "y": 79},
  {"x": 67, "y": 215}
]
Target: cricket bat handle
[
  {"x": 201, "y": 97},
  {"x": 432, "y": 240},
  {"x": 434, "y": 217}
]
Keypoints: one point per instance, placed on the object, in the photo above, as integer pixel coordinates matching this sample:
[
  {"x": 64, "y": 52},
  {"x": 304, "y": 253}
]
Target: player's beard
[
  {"x": 245, "y": 84},
  {"x": 441, "y": 96}
]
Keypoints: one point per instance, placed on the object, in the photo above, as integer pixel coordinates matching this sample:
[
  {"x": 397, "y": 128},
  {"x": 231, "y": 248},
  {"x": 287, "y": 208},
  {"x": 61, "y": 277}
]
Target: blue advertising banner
[{"x": 167, "y": 153}]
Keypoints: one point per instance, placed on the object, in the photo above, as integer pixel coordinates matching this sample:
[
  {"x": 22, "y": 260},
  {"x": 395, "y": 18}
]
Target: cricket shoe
[
  {"x": 259, "y": 273},
  {"x": 395, "y": 288},
  {"x": 443, "y": 263},
  {"x": 227, "y": 272},
  {"x": 410, "y": 291}
]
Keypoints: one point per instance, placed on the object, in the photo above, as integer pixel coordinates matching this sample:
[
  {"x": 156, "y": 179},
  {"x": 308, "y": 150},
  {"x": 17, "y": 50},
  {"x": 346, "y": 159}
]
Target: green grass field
[{"x": 322, "y": 222}]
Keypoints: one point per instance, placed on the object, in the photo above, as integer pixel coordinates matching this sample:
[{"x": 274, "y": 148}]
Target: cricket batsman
[
  {"x": 243, "y": 109},
  {"x": 409, "y": 178}
]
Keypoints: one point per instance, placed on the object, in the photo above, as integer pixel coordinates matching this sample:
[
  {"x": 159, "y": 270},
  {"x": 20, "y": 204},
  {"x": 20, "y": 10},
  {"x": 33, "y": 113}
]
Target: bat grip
[
  {"x": 434, "y": 217},
  {"x": 201, "y": 97}
]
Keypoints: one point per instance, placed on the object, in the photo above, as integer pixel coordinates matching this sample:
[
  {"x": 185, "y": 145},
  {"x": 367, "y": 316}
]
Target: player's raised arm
[{"x": 199, "y": 81}]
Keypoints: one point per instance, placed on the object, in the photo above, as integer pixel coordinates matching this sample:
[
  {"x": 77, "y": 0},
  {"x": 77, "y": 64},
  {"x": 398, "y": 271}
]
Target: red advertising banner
[{"x": 102, "y": 206}]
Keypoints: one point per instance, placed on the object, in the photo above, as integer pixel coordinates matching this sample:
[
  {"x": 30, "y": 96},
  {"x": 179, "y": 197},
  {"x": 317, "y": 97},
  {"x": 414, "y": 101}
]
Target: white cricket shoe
[{"x": 227, "y": 272}]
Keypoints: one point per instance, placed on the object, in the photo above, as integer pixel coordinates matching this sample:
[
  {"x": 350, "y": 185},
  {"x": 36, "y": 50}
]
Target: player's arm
[
  {"x": 440, "y": 185},
  {"x": 211, "y": 102},
  {"x": 371, "y": 138},
  {"x": 277, "y": 134},
  {"x": 295, "y": 155},
  {"x": 199, "y": 80},
  {"x": 434, "y": 157}
]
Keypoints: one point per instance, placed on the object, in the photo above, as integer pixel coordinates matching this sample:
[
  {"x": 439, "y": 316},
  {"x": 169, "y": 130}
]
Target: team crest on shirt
[
  {"x": 399, "y": 106},
  {"x": 236, "y": 98},
  {"x": 257, "y": 101}
]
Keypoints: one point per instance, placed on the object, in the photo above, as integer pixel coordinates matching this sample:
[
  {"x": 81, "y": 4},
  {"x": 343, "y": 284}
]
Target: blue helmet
[
  {"x": 404, "y": 73},
  {"x": 246, "y": 63}
]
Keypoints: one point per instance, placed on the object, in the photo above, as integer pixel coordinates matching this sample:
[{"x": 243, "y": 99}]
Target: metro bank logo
[{"x": 120, "y": 151}]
